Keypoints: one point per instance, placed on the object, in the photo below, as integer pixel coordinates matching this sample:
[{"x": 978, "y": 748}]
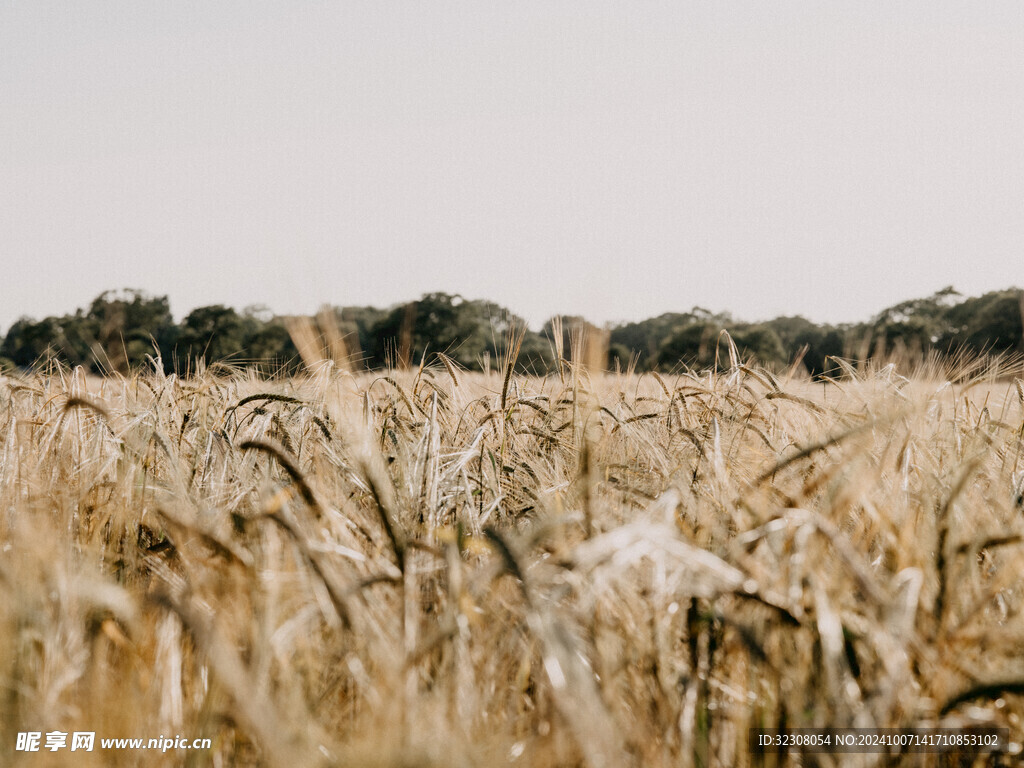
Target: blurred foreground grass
[{"x": 436, "y": 568}]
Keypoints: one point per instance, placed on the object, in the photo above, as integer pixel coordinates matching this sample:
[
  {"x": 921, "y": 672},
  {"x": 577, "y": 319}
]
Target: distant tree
[
  {"x": 987, "y": 324},
  {"x": 760, "y": 343},
  {"x": 909, "y": 329},
  {"x": 620, "y": 357},
  {"x": 495, "y": 323},
  {"x": 645, "y": 338},
  {"x": 701, "y": 345},
  {"x": 121, "y": 328},
  {"x": 213, "y": 333},
  {"x": 692, "y": 345},
  {"x": 266, "y": 343},
  {"x": 913, "y": 337},
  {"x": 64, "y": 339},
  {"x": 568, "y": 323},
  {"x": 831, "y": 346},
  {"x": 814, "y": 343},
  {"x": 582, "y": 342},
  {"x": 535, "y": 355},
  {"x": 357, "y": 327},
  {"x": 929, "y": 312},
  {"x": 29, "y": 341},
  {"x": 465, "y": 331}
]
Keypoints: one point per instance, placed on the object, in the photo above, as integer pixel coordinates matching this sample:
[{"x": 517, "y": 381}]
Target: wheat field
[{"x": 439, "y": 568}]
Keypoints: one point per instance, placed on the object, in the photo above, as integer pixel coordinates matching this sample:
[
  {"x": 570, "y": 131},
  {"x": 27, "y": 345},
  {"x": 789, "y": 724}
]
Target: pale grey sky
[{"x": 611, "y": 159}]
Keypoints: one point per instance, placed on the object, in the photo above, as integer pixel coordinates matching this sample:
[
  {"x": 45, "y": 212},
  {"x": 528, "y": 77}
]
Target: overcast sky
[{"x": 611, "y": 159}]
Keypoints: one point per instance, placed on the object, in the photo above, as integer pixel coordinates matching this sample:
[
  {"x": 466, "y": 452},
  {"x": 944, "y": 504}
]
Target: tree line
[{"x": 125, "y": 330}]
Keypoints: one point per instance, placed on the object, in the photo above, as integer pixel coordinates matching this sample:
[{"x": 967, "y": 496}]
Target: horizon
[{"x": 735, "y": 317}]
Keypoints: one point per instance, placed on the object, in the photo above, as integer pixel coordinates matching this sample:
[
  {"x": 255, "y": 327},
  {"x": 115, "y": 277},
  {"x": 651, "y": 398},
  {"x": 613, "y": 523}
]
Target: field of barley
[{"x": 439, "y": 568}]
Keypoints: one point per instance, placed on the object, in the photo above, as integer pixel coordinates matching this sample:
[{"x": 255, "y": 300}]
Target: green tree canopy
[
  {"x": 120, "y": 329},
  {"x": 987, "y": 324},
  {"x": 702, "y": 344},
  {"x": 466, "y": 331},
  {"x": 211, "y": 334}
]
